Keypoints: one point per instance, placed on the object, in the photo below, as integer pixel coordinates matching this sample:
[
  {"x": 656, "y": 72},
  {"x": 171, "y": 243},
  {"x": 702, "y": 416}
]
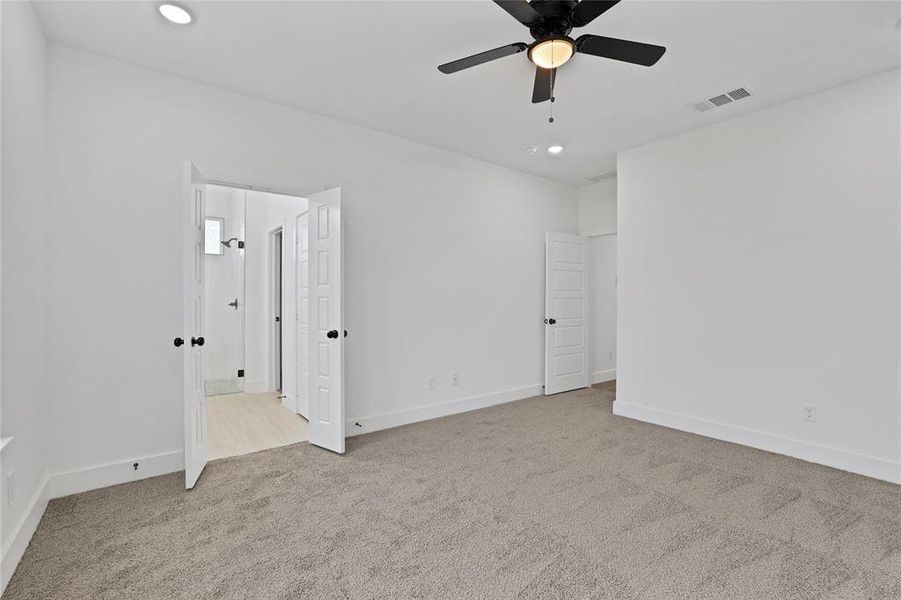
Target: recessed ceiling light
[
  {"x": 555, "y": 149},
  {"x": 175, "y": 13}
]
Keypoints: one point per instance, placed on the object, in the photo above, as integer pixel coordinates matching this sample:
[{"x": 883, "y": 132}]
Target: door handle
[
  {"x": 550, "y": 321},
  {"x": 333, "y": 334},
  {"x": 197, "y": 341},
  {"x": 178, "y": 342},
  {"x": 234, "y": 304}
]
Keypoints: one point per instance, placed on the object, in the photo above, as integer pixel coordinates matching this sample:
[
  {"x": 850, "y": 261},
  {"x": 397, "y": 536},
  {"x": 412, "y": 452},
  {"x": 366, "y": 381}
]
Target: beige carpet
[{"x": 543, "y": 498}]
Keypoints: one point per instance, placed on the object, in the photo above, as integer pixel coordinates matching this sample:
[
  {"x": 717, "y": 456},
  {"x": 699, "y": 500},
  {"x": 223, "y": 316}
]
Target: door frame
[
  {"x": 275, "y": 309},
  {"x": 186, "y": 207}
]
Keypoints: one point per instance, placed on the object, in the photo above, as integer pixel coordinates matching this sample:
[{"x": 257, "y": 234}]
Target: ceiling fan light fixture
[
  {"x": 555, "y": 149},
  {"x": 550, "y": 53}
]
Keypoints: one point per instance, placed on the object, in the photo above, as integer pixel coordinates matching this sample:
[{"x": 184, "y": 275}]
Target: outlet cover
[
  {"x": 810, "y": 413},
  {"x": 431, "y": 383}
]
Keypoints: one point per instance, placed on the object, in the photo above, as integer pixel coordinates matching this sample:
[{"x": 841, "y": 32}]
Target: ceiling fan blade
[
  {"x": 544, "y": 84},
  {"x": 482, "y": 58},
  {"x": 587, "y": 11},
  {"x": 624, "y": 50},
  {"x": 520, "y": 10}
]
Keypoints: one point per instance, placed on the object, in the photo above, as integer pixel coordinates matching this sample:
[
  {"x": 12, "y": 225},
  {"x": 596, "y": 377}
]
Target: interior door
[
  {"x": 326, "y": 321},
  {"x": 566, "y": 360},
  {"x": 195, "y": 396}
]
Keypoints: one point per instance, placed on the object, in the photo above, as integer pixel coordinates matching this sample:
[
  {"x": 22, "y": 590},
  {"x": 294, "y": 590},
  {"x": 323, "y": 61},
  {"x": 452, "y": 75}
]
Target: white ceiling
[{"x": 374, "y": 63}]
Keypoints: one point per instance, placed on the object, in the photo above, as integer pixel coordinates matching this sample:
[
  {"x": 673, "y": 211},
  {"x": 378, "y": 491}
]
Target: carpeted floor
[{"x": 543, "y": 498}]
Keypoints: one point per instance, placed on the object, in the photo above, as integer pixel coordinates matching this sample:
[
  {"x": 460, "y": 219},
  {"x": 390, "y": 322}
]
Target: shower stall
[{"x": 225, "y": 305}]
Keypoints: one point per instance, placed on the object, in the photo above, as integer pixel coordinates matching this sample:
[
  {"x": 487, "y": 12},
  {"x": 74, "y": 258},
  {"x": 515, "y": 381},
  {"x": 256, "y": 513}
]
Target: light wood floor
[{"x": 243, "y": 423}]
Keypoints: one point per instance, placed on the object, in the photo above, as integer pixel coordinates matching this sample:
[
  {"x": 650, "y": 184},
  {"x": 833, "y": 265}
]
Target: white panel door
[
  {"x": 326, "y": 321},
  {"x": 302, "y": 320},
  {"x": 566, "y": 360},
  {"x": 195, "y": 396}
]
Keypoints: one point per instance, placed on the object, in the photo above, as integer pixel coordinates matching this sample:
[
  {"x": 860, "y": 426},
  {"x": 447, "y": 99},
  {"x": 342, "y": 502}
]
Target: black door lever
[
  {"x": 333, "y": 334},
  {"x": 197, "y": 341},
  {"x": 234, "y": 304}
]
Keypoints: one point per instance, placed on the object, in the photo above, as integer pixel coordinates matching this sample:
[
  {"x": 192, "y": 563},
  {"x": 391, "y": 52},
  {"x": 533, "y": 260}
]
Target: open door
[
  {"x": 566, "y": 361},
  {"x": 195, "y": 396},
  {"x": 326, "y": 325}
]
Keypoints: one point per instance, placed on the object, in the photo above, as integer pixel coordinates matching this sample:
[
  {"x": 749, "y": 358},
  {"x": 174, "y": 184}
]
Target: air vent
[
  {"x": 603, "y": 177},
  {"x": 720, "y": 100}
]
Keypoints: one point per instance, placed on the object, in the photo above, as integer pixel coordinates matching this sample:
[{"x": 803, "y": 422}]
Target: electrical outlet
[
  {"x": 810, "y": 412},
  {"x": 431, "y": 383},
  {"x": 10, "y": 487},
  {"x": 455, "y": 379}
]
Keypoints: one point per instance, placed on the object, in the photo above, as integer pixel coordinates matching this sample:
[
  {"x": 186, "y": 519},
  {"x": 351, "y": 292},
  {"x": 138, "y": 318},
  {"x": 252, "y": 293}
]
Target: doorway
[
  {"x": 249, "y": 406},
  {"x": 272, "y": 280}
]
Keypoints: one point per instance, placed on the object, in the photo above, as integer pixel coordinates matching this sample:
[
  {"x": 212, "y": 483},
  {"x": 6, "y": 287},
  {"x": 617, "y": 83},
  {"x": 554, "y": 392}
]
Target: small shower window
[{"x": 213, "y": 228}]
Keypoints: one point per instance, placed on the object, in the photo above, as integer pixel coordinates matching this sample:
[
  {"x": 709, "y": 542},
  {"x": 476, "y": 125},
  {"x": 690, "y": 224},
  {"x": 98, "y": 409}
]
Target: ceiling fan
[{"x": 550, "y": 23}]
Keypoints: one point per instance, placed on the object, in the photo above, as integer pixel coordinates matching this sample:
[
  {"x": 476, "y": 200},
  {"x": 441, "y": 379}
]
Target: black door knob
[
  {"x": 197, "y": 341},
  {"x": 552, "y": 321},
  {"x": 178, "y": 342},
  {"x": 333, "y": 334}
]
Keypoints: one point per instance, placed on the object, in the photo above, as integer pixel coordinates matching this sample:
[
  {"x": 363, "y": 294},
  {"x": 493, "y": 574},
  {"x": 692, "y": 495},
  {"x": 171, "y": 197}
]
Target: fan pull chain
[{"x": 550, "y": 83}]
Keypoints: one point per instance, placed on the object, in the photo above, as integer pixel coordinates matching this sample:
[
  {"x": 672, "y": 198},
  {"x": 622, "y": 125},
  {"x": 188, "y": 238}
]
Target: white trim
[
  {"x": 4, "y": 442},
  {"x": 845, "y": 460},
  {"x": 433, "y": 411},
  {"x": 603, "y": 376},
  {"x": 24, "y": 531},
  {"x": 105, "y": 475},
  {"x": 601, "y": 232}
]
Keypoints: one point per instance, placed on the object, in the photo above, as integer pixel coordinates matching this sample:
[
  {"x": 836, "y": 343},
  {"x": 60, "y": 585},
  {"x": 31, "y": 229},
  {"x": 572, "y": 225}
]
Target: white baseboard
[
  {"x": 871, "y": 466},
  {"x": 256, "y": 386},
  {"x": 24, "y": 531},
  {"x": 74, "y": 482},
  {"x": 433, "y": 411},
  {"x": 602, "y": 376},
  {"x": 100, "y": 476}
]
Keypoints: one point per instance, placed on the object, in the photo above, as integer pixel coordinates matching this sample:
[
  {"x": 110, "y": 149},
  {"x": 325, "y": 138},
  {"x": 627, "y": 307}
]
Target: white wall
[
  {"x": 759, "y": 271},
  {"x": 597, "y": 219},
  {"x": 602, "y": 301},
  {"x": 597, "y": 208},
  {"x": 24, "y": 264},
  {"x": 444, "y": 255}
]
